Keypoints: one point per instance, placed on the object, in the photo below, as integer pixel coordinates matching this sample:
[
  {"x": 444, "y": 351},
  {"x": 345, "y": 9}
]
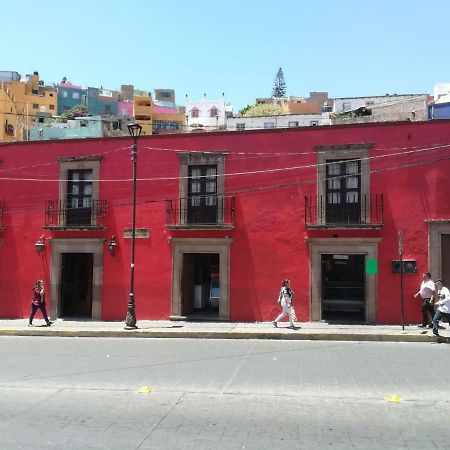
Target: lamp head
[{"x": 134, "y": 129}]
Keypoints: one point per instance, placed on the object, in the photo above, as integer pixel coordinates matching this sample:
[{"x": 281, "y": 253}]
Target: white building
[
  {"x": 283, "y": 121},
  {"x": 205, "y": 115},
  {"x": 351, "y": 103},
  {"x": 392, "y": 109},
  {"x": 441, "y": 93}
]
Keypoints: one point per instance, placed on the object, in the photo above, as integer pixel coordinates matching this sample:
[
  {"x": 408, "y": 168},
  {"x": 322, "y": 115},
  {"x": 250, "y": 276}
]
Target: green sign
[{"x": 371, "y": 266}]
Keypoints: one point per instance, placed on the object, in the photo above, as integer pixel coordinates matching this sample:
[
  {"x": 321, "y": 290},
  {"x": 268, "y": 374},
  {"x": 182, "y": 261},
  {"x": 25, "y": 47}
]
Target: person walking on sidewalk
[
  {"x": 427, "y": 292},
  {"x": 443, "y": 306},
  {"x": 285, "y": 300},
  {"x": 38, "y": 302}
]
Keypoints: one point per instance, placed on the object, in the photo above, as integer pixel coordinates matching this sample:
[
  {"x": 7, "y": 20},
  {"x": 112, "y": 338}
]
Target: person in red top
[{"x": 38, "y": 302}]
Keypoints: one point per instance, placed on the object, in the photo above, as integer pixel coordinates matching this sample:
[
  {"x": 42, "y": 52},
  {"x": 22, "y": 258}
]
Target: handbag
[{"x": 292, "y": 314}]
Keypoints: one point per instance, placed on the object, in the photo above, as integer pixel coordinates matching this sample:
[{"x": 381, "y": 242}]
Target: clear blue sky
[{"x": 348, "y": 48}]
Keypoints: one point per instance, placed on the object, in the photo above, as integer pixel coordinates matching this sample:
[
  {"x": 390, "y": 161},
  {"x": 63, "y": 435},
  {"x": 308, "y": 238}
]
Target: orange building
[{"x": 23, "y": 103}]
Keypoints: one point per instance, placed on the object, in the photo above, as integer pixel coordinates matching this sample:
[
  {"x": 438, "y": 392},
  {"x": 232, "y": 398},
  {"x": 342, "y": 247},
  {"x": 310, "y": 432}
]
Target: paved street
[{"x": 81, "y": 393}]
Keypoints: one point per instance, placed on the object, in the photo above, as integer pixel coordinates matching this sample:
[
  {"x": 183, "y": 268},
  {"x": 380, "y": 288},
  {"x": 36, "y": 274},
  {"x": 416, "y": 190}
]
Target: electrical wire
[
  {"x": 245, "y": 191},
  {"x": 242, "y": 173}
]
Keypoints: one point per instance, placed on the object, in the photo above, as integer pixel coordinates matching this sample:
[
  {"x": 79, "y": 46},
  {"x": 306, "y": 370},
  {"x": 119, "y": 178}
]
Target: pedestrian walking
[
  {"x": 443, "y": 306},
  {"x": 427, "y": 292},
  {"x": 285, "y": 299},
  {"x": 38, "y": 302}
]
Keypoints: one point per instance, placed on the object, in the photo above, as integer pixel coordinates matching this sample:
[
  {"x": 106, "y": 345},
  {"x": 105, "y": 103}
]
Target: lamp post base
[{"x": 130, "y": 320}]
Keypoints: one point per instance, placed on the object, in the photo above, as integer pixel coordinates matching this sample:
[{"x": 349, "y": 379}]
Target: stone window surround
[
  {"x": 78, "y": 163},
  {"x": 198, "y": 159},
  {"x": 436, "y": 228},
  {"x": 356, "y": 246},
  {"x": 60, "y": 246},
  {"x": 339, "y": 152},
  {"x": 219, "y": 246}
]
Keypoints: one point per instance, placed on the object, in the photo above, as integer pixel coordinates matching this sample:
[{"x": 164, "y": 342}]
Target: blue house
[
  {"x": 439, "y": 111},
  {"x": 69, "y": 96},
  {"x": 78, "y": 128},
  {"x": 102, "y": 102}
]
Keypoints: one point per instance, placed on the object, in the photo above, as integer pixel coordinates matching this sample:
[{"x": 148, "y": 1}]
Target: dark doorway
[
  {"x": 200, "y": 292},
  {"x": 343, "y": 288},
  {"x": 445, "y": 259},
  {"x": 76, "y": 285}
]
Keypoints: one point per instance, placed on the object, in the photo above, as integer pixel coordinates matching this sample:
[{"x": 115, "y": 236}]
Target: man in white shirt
[
  {"x": 443, "y": 304},
  {"x": 427, "y": 292}
]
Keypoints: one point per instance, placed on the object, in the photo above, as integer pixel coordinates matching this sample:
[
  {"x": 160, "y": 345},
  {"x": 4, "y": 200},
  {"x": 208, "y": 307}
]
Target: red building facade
[{"x": 222, "y": 218}]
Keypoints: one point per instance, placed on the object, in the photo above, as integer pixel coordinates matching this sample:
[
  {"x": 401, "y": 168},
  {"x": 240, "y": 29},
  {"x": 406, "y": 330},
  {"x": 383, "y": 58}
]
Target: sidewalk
[{"x": 319, "y": 331}]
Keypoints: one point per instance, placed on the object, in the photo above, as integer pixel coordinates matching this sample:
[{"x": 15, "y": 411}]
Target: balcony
[
  {"x": 59, "y": 215},
  {"x": 208, "y": 212},
  {"x": 368, "y": 213}
]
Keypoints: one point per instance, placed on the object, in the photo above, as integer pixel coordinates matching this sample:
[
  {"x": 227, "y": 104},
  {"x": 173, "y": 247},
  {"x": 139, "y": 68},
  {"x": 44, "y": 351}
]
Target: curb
[{"x": 161, "y": 334}]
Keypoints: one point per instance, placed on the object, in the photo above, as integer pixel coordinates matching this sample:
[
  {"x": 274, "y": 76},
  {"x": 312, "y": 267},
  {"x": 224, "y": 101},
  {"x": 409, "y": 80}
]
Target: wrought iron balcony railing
[
  {"x": 368, "y": 212},
  {"x": 60, "y": 214},
  {"x": 206, "y": 211}
]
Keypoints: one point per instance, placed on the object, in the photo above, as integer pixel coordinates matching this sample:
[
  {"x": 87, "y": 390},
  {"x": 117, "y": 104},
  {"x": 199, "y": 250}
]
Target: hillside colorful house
[{"x": 223, "y": 217}]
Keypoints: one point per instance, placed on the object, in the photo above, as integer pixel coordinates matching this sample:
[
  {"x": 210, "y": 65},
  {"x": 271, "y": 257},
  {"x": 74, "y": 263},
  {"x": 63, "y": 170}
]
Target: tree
[
  {"x": 76, "y": 111},
  {"x": 279, "y": 85},
  {"x": 261, "y": 109}
]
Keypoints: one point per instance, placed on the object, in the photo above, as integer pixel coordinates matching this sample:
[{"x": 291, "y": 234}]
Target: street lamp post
[{"x": 130, "y": 321}]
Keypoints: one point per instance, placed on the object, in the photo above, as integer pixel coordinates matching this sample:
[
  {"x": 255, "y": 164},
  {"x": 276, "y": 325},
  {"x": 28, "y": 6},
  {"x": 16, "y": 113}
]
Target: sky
[{"x": 348, "y": 48}]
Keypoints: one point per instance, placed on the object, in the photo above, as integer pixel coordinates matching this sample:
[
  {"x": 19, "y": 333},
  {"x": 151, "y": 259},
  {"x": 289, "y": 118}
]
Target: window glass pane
[
  {"x": 334, "y": 198},
  {"x": 195, "y": 201},
  {"x": 75, "y": 189},
  {"x": 74, "y": 203},
  {"x": 86, "y": 202},
  {"x": 334, "y": 183},
  {"x": 195, "y": 186},
  {"x": 88, "y": 176},
  {"x": 210, "y": 186},
  {"x": 87, "y": 189},
  {"x": 211, "y": 172},
  {"x": 352, "y": 182},
  {"x": 75, "y": 176},
  {"x": 334, "y": 169},
  {"x": 351, "y": 167},
  {"x": 352, "y": 197},
  {"x": 211, "y": 201},
  {"x": 196, "y": 173}
]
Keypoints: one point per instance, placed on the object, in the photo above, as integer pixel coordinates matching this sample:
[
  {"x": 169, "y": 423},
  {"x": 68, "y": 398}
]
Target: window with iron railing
[
  {"x": 62, "y": 215},
  {"x": 78, "y": 206},
  {"x": 368, "y": 211},
  {"x": 179, "y": 214},
  {"x": 202, "y": 201}
]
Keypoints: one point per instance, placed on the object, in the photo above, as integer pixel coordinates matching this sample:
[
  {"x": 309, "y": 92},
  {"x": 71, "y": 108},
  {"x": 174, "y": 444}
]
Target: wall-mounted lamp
[
  {"x": 39, "y": 246},
  {"x": 112, "y": 245}
]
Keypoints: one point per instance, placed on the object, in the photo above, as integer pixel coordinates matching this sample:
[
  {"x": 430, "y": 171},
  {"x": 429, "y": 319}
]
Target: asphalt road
[{"x": 82, "y": 393}]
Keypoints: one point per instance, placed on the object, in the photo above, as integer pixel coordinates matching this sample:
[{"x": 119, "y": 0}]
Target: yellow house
[
  {"x": 143, "y": 113},
  {"x": 21, "y": 102},
  {"x": 8, "y": 117},
  {"x": 169, "y": 123},
  {"x": 156, "y": 119}
]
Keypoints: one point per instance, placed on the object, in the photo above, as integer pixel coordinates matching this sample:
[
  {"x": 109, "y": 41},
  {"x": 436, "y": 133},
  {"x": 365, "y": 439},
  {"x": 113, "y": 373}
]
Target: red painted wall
[{"x": 409, "y": 166}]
